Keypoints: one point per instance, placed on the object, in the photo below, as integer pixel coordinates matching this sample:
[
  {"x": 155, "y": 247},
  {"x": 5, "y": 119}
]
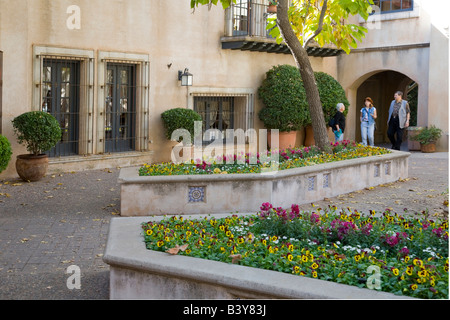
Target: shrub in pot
[
  {"x": 180, "y": 118},
  {"x": 427, "y": 138},
  {"x": 284, "y": 98},
  {"x": 39, "y": 131},
  {"x": 5, "y": 152}
]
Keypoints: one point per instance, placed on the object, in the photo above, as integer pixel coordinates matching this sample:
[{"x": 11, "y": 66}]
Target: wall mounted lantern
[{"x": 185, "y": 77}]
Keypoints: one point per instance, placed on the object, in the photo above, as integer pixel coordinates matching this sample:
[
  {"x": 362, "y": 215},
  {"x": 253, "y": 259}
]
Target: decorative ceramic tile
[
  {"x": 196, "y": 194},
  {"x": 387, "y": 168},
  {"x": 326, "y": 180},
  {"x": 311, "y": 183},
  {"x": 376, "y": 172}
]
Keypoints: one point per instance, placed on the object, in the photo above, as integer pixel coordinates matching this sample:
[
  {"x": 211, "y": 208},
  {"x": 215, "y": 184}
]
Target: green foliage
[
  {"x": 410, "y": 252},
  {"x": 428, "y": 135},
  {"x": 180, "y": 118},
  {"x": 305, "y": 18},
  {"x": 284, "y": 98},
  {"x": 331, "y": 93},
  {"x": 5, "y": 152},
  {"x": 40, "y": 131}
]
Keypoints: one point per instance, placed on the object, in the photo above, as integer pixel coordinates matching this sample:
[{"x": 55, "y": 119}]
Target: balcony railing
[
  {"x": 246, "y": 29},
  {"x": 247, "y": 18}
]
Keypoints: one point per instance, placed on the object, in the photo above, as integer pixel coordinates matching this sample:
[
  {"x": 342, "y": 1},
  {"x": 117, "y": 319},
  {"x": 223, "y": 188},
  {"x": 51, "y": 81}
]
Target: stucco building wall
[{"x": 162, "y": 37}]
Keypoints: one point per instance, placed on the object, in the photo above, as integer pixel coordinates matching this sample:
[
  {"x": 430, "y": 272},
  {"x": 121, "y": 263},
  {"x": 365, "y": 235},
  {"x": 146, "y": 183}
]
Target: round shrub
[
  {"x": 331, "y": 93},
  {"x": 40, "y": 131},
  {"x": 5, "y": 152},
  {"x": 284, "y": 98},
  {"x": 180, "y": 118}
]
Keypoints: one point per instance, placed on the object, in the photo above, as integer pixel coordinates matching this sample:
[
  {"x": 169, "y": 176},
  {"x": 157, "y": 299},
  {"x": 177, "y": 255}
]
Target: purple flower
[{"x": 404, "y": 251}]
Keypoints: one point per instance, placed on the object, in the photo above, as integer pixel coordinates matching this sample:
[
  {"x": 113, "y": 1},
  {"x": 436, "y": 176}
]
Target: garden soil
[{"x": 55, "y": 229}]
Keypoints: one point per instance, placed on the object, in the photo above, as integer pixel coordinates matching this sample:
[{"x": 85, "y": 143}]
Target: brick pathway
[{"x": 63, "y": 220}]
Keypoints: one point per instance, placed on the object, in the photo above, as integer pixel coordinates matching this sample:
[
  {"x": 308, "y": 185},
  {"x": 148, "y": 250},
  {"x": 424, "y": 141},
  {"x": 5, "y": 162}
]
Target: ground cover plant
[
  {"x": 402, "y": 254},
  {"x": 255, "y": 163}
]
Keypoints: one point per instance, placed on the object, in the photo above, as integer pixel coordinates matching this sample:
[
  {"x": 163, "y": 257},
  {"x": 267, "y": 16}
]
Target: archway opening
[{"x": 381, "y": 88}]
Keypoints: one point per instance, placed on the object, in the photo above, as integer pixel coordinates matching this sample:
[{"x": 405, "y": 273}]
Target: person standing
[
  {"x": 367, "y": 118},
  {"x": 399, "y": 113},
  {"x": 338, "y": 123}
]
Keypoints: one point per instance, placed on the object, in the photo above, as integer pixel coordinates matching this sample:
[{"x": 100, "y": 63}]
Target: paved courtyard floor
[{"x": 63, "y": 220}]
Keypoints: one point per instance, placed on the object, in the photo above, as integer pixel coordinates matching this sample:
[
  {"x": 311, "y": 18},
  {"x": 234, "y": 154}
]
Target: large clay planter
[
  {"x": 286, "y": 139},
  {"x": 272, "y": 9},
  {"x": 30, "y": 167},
  {"x": 309, "y": 136},
  {"x": 412, "y": 144},
  {"x": 428, "y": 148}
]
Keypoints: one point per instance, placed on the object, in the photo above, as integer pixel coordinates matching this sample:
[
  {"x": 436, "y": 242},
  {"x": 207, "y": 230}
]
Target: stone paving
[{"x": 63, "y": 220}]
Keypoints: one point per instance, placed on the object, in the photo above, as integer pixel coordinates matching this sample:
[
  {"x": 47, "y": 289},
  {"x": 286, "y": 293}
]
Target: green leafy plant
[
  {"x": 331, "y": 93},
  {"x": 5, "y": 152},
  {"x": 284, "y": 98},
  {"x": 428, "y": 135},
  {"x": 340, "y": 245},
  {"x": 249, "y": 163},
  {"x": 40, "y": 131},
  {"x": 180, "y": 118}
]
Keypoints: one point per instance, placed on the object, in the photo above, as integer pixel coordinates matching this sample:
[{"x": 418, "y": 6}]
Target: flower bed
[
  {"x": 247, "y": 163},
  {"x": 405, "y": 255}
]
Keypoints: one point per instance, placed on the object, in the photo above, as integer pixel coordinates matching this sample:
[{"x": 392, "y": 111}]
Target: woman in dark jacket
[{"x": 338, "y": 123}]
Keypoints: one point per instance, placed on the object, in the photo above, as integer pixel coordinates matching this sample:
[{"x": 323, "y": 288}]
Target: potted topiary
[
  {"x": 427, "y": 138},
  {"x": 180, "y": 118},
  {"x": 285, "y": 107},
  {"x": 39, "y": 131},
  {"x": 5, "y": 152}
]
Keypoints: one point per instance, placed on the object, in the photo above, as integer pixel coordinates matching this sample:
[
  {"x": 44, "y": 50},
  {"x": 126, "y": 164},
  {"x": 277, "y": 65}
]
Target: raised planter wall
[
  {"x": 138, "y": 273},
  {"x": 225, "y": 193}
]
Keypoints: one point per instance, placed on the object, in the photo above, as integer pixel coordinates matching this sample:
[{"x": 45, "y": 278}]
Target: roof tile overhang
[{"x": 260, "y": 44}]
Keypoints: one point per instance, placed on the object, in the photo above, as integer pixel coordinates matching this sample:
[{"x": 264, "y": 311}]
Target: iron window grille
[
  {"x": 60, "y": 96},
  {"x": 120, "y": 107},
  {"x": 223, "y": 112}
]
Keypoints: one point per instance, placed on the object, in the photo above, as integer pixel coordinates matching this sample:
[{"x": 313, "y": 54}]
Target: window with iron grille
[
  {"x": 223, "y": 112},
  {"x": 60, "y": 97},
  {"x": 120, "y": 108}
]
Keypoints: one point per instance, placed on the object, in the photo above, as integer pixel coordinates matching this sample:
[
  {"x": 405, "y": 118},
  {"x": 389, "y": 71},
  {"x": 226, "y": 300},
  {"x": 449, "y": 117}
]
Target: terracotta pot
[
  {"x": 412, "y": 144},
  {"x": 428, "y": 148},
  {"x": 272, "y": 9},
  {"x": 309, "y": 136},
  {"x": 286, "y": 139},
  {"x": 30, "y": 167}
]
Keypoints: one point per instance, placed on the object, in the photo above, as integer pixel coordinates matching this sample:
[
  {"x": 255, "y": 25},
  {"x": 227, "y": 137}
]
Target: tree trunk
[{"x": 307, "y": 74}]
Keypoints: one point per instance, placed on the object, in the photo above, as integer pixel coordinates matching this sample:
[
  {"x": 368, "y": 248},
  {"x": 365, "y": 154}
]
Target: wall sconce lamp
[{"x": 185, "y": 77}]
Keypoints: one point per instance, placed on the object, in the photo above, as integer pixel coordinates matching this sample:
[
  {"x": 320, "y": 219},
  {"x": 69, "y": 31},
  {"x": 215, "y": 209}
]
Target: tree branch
[{"x": 320, "y": 26}]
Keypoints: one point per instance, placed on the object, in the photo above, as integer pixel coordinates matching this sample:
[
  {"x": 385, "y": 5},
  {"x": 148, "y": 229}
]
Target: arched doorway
[{"x": 381, "y": 88}]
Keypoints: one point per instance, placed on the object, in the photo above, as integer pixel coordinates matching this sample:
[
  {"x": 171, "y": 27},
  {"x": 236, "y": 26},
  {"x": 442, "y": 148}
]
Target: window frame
[
  {"x": 86, "y": 95},
  {"x": 141, "y": 63},
  {"x": 397, "y": 10}
]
